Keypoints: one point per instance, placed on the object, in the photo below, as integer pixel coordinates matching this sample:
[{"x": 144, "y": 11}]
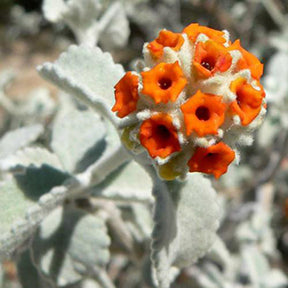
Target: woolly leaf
[
  {"x": 19, "y": 138},
  {"x": 13, "y": 204},
  {"x": 128, "y": 182},
  {"x": 88, "y": 74},
  {"x": 28, "y": 274},
  {"x": 19, "y": 214},
  {"x": 256, "y": 268},
  {"x": 35, "y": 156},
  {"x": 186, "y": 219},
  {"x": 73, "y": 12},
  {"x": 78, "y": 138},
  {"x": 69, "y": 244},
  {"x": 53, "y": 9},
  {"x": 117, "y": 31},
  {"x": 275, "y": 83}
]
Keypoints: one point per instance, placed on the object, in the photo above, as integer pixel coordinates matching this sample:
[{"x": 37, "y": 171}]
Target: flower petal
[
  {"x": 126, "y": 94},
  {"x": 203, "y": 114},
  {"x": 248, "y": 100},
  {"x": 159, "y": 136},
  {"x": 210, "y": 58},
  {"x": 212, "y": 160},
  {"x": 248, "y": 61},
  {"x": 165, "y": 39},
  {"x": 164, "y": 82},
  {"x": 194, "y": 29}
]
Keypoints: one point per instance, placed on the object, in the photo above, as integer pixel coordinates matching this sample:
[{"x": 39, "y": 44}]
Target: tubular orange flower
[
  {"x": 212, "y": 160},
  {"x": 159, "y": 136},
  {"x": 126, "y": 94},
  {"x": 174, "y": 124},
  {"x": 248, "y": 61},
  {"x": 164, "y": 82},
  {"x": 210, "y": 58},
  {"x": 248, "y": 100},
  {"x": 194, "y": 29},
  {"x": 203, "y": 113},
  {"x": 165, "y": 39}
]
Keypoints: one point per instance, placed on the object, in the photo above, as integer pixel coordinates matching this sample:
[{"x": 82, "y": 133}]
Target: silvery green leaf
[
  {"x": 214, "y": 277},
  {"x": 257, "y": 230},
  {"x": 186, "y": 219},
  {"x": 89, "y": 283},
  {"x": 24, "y": 23},
  {"x": 39, "y": 104},
  {"x": 117, "y": 31},
  {"x": 20, "y": 214},
  {"x": 275, "y": 279},
  {"x": 53, "y": 9},
  {"x": 219, "y": 253},
  {"x": 113, "y": 156},
  {"x": 19, "y": 138},
  {"x": 77, "y": 14},
  {"x": 129, "y": 182},
  {"x": 142, "y": 218},
  {"x": 88, "y": 74},
  {"x": 69, "y": 244},
  {"x": 204, "y": 281},
  {"x": 235, "y": 176},
  {"x": 35, "y": 156},
  {"x": 267, "y": 132},
  {"x": 28, "y": 274},
  {"x": 14, "y": 204},
  {"x": 78, "y": 137},
  {"x": 6, "y": 77},
  {"x": 254, "y": 264},
  {"x": 275, "y": 83}
]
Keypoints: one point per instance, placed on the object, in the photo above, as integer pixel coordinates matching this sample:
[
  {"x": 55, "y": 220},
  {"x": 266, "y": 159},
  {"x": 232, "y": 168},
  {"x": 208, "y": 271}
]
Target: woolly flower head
[{"x": 196, "y": 97}]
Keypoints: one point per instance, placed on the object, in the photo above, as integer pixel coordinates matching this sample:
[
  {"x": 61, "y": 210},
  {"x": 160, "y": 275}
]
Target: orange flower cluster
[{"x": 188, "y": 103}]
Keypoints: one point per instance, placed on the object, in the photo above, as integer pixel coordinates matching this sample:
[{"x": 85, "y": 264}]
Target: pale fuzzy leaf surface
[
  {"x": 219, "y": 253},
  {"x": 130, "y": 182},
  {"x": 88, "y": 74},
  {"x": 258, "y": 230},
  {"x": 13, "y": 206},
  {"x": 39, "y": 104},
  {"x": 19, "y": 138},
  {"x": 117, "y": 32},
  {"x": 75, "y": 135},
  {"x": 30, "y": 156},
  {"x": 82, "y": 13},
  {"x": 186, "y": 219},
  {"x": 275, "y": 279},
  {"x": 267, "y": 132},
  {"x": 69, "y": 244},
  {"x": 143, "y": 218},
  {"x": 53, "y": 9},
  {"x": 75, "y": 12},
  {"x": 275, "y": 83},
  {"x": 256, "y": 266},
  {"x": 23, "y": 208},
  {"x": 28, "y": 274}
]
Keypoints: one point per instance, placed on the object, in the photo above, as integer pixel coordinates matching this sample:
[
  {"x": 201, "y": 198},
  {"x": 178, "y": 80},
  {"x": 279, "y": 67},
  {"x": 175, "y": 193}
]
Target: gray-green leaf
[
  {"x": 186, "y": 219},
  {"x": 129, "y": 182},
  {"x": 19, "y": 138},
  {"x": 70, "y": 243},
  {"x": 88, "y": 74},
  {"x": 78, "y": 139}
]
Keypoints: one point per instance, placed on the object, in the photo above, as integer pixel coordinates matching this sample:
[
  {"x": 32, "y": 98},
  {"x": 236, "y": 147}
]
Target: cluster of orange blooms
[{"x": 189, "y": 105}]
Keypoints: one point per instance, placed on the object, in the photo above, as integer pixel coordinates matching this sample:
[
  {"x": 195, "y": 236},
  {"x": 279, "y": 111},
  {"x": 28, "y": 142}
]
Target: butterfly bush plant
[{"x": 131, "y": 160}]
